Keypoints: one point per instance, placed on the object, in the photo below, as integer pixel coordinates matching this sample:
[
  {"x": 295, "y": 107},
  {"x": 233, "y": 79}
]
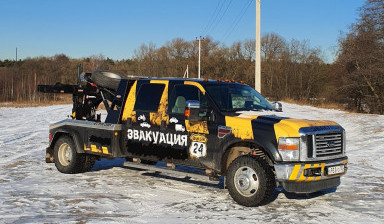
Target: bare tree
[{"x": 362, "y": 59}]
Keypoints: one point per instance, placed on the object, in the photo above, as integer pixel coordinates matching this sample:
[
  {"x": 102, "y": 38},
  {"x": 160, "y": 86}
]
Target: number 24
[{"x": 198, "y": 148}]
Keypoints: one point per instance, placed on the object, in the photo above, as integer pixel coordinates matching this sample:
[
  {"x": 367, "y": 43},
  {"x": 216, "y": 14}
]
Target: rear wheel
[
  {"x": 250, "y": 181},
  {"x": 67, "y": 160}
]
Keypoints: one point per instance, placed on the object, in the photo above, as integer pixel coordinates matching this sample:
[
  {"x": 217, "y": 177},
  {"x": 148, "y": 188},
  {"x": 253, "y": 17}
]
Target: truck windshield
[{"x": 237, "y": 97}]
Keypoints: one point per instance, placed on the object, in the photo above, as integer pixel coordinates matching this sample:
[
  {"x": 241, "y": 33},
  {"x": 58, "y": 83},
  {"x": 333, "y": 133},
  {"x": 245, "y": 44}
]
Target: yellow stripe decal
[
  {"x": 302, "y": 177},
  {"x": 312, "y": 178},
  {"x": 241, "y": 127},
  {"x": 322, "y": 167},
  {"x": 162, "y": 111},
  {"x": 198, "y": 85},
  {"x": 197, "y": 126},
  {"x": 105, "y": 150},
  {"x": 294, "y": 173},
  {"x": 95, "y": 149},
  {"x": 130, "y": 103},
  {"x": 291, "y": 127},
  {"x": 322, "y": 171}
]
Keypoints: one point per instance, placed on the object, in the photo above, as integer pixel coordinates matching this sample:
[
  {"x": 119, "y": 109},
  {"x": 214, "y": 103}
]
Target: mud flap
[{"x": 49, "y": 155}]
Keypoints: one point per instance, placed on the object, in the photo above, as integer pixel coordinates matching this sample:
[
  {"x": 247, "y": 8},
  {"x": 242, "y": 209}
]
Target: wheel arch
[
  {"x": 237, "y": 148},
  {"x": 73, "y": 135}
]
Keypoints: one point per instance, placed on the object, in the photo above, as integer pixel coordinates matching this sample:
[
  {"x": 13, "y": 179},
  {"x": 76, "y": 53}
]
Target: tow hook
[{"x": 312, "y": 172}]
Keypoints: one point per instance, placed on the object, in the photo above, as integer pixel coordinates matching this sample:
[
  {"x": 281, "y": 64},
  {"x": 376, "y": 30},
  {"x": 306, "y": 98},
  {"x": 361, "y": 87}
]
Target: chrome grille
[{"x": 328, "y": 144}]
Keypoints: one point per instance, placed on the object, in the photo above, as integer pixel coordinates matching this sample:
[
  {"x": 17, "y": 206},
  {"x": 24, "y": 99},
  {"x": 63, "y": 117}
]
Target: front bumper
[{"x": 309, "y": 177}]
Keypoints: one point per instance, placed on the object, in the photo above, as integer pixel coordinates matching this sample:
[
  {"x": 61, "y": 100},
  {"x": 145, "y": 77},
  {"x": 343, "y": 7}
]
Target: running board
[{"x": 172, "y": 169}]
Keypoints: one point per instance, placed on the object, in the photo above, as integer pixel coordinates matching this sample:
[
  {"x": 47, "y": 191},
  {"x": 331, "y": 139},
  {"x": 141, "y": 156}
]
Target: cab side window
[
  {"x": 148, "y": 97},
  {"x": 181, "y": 94}
]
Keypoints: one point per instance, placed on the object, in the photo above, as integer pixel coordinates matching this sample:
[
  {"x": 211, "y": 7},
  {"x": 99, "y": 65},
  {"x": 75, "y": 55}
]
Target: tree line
[
  {"x": 360, "y": 62},
  {"x": 290, "y": 69}
]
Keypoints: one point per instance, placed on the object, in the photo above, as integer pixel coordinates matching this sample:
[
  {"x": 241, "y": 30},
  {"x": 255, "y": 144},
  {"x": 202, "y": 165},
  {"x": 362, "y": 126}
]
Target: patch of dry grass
[
  {"x": 13, "y": 165},
  {"x": 22, "y": 104}
]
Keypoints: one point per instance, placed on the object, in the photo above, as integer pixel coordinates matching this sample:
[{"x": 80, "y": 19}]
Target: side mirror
[
  {"x": 278, "y": 106},
  {"x": 192, "y": 109}
]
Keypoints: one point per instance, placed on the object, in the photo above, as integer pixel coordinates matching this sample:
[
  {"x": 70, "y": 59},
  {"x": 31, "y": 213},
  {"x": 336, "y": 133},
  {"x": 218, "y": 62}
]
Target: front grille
[{"x": 328, "y": 144}]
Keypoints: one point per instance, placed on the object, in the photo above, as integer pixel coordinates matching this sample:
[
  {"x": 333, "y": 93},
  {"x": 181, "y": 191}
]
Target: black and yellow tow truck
[{"x": 224, "y": 127}]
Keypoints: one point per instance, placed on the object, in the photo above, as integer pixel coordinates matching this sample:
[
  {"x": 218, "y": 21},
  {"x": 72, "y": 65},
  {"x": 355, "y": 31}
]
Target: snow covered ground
[{"x": 32, "y": 191}]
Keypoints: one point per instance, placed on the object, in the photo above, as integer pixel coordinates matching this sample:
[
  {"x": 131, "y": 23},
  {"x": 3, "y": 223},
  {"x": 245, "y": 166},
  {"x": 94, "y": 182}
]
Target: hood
[{"x": 246, "y": 125}]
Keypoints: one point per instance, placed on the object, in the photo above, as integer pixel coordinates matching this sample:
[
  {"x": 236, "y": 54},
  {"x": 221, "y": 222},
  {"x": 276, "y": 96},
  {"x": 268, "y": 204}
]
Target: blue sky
[{"x": 116, "y": 28}]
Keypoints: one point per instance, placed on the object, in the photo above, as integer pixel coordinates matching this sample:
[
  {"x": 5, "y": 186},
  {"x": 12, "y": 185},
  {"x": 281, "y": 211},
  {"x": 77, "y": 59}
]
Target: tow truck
[{"x": 221, "y": 126}]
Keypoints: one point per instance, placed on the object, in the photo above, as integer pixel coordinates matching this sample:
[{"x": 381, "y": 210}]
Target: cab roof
[{"x": 201, "y": 81}]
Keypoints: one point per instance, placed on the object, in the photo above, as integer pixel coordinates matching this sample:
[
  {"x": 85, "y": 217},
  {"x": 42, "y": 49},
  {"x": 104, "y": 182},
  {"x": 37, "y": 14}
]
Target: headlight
[{"x": 289, "y": 149}]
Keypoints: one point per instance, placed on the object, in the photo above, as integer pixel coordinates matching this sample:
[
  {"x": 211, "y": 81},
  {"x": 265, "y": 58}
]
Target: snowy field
[{"x": 32, "y": 191}]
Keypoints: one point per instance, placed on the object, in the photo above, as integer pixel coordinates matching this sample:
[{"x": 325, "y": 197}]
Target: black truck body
[{"x": 225, "y": 127}]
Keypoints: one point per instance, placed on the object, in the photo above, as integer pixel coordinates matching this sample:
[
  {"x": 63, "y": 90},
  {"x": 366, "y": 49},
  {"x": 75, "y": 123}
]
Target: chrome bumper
[{"x": 308, "y": 172}]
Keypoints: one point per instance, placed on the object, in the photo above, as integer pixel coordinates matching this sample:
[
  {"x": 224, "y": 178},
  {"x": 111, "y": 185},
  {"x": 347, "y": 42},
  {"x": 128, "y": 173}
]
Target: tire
[
  {"x": 250, "y": 181},
  {"x": 89, "y": 161},
  {"x": 66, "y": 159},
  {"x": 106, "y": 79}
]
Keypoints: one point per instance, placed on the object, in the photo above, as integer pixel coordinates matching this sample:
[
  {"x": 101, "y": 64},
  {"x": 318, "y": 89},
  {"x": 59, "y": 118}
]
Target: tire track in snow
[{"x": 19, "y": 137}]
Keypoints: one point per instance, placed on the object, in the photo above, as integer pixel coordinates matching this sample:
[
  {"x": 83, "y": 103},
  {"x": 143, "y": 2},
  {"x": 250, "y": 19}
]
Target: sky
[{"x": 115, "y": 28}]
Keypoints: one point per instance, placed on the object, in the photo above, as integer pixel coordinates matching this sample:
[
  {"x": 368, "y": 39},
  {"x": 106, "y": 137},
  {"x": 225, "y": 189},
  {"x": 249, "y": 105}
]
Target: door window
[
  {"x": 181, "y": 94},
  {"x": 148, "y": 98}
]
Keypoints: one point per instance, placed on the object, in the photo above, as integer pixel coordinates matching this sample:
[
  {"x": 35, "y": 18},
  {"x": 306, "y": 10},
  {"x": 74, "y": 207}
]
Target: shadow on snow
[{"x": 184, "y": 177}]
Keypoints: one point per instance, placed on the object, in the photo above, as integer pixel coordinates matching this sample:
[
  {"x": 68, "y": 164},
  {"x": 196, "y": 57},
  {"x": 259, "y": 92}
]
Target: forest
[{"x": 290, "y": 69}]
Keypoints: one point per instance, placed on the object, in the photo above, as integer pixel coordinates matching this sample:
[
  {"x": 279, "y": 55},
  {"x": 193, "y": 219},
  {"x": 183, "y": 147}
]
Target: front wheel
[
  {"x": 67, "y": 160},
  {"x": 250, "y": 181}
]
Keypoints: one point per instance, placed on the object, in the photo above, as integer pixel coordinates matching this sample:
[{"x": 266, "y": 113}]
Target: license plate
[{"x": 332, "y": 170}]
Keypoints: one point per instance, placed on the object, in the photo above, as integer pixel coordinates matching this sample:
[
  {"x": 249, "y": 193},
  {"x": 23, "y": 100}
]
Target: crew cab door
[
  {"x": 148, "y": 134},
  {"x": 199, "y": 132}
]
